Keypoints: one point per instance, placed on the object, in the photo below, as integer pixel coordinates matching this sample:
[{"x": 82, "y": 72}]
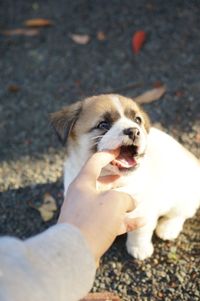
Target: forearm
[{"x": 55, "y": 265}]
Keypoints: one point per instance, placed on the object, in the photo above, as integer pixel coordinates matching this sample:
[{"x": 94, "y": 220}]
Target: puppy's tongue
[{"x": 124, "y": 160}]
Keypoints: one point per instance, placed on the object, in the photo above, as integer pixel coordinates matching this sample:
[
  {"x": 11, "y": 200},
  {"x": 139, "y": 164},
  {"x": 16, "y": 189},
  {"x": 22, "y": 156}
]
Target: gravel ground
[{"x": 40, "y": 74}]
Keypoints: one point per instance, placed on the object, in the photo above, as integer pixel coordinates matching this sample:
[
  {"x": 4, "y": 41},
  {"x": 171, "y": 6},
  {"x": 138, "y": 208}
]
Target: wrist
[{"x": 91, "y": 244}]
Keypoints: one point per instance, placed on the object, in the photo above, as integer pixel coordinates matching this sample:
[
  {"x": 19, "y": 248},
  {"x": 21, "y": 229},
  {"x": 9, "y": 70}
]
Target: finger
[
  {"x": 131, "y": 224},
  {"x": 108, "y": 179},
  {"x": 92, "y": 169},
  {"x": 134, "y": 223}
]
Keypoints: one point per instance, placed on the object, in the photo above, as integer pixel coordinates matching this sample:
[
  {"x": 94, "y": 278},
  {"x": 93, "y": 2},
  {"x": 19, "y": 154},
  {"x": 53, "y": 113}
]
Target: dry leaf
[
  {"x": 151, "y": 95},
  {"x": 13, "y": 88},
  {"x": 105, "y": 296},
  {"x": 179, "y": 93},
  {"x": 48, "y": 208},
  {"x": 80, "y": 39},
  {"x": 77, "y": 83},
  {"x": 150, "y": 6},
  {"x": 138, "y": 41},
  {"x": 21, "y": 32},
  {"x": 157, "y": 84},
  {"x": 38, "y": 22},
  {"x": 101, "y": 36}
]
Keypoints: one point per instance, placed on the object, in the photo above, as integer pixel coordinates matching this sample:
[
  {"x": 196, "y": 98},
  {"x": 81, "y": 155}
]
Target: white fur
[
  {"x": 75, "y": 161},
  {"x": 170, "y": 189},
  {"x": 167, "y": 183},
  {"x": 117, "y": 104}
]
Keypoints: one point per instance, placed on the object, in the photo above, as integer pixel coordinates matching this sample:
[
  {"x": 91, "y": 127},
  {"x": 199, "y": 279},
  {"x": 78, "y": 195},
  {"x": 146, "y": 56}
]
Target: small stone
[{"x": 149, "y": 274}]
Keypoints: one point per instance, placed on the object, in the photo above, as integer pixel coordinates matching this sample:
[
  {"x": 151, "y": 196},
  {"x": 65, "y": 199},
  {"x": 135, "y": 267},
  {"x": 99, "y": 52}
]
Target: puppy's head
[{"x": 104, "y": 122}]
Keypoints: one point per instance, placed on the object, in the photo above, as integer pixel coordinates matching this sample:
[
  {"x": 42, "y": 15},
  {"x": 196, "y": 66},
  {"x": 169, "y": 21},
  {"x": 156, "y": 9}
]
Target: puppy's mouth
[{"x": 127, "y": 158}]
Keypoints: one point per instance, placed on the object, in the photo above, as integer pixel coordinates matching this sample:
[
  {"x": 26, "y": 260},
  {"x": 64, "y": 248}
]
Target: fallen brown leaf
[
  {"x": 77, "y": 83},
  {"x": 138, "y": 40},
  {"x": 48, "y": 208},
  {"x": 106, "y": 296},
  {"x": 38, "y": 22},
  {"x": 179, "y": 93},
  {"x": 21, "y": 32},
  {"x": 80, "y": 39},
  {"x": 151, "y": 95},
  {"x": 157, "y": 84},
  {"x": 13, "y": 88},
  {"x": 150, "y": 6},
  {"x": 101, "y": 36},
  {"x": 27, "y": 141}
]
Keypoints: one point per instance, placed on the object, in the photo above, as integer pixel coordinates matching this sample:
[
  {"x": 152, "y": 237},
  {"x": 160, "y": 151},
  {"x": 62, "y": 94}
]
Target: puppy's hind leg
[
  {"x": 139, "y": 243},
  {"x": 168, "y": 228}
]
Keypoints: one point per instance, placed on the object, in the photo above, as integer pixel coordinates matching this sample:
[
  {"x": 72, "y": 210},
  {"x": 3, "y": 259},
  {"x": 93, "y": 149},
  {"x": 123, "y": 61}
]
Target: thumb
[{"x": 92, "y": 169}]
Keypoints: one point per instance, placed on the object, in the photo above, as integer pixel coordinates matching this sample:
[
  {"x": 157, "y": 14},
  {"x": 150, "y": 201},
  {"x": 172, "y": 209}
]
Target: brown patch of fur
[
  {"x": 132, "y": 109},
  {"x": 64, "y": 120},
  {"x": 81, "y": 117}
]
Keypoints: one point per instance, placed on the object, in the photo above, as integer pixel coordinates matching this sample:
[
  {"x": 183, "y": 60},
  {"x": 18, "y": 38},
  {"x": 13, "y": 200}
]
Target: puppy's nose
[{"x": 132, "y": 132}]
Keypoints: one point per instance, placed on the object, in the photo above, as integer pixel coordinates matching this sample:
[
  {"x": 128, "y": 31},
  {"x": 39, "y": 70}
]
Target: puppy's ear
[{"x": 64, "y": 120}]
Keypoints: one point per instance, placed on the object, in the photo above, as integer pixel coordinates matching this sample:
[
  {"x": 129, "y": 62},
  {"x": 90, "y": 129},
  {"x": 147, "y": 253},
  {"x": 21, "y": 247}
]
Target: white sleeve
[{"x": 55, "y": 265}]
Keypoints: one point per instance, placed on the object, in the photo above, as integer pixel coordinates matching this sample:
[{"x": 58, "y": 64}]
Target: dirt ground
[{"x": 40, "y": 74}]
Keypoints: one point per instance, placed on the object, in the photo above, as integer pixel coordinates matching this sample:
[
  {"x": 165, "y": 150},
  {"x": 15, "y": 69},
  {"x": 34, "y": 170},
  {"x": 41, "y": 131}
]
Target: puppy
[{"x": 162, "y": 176}]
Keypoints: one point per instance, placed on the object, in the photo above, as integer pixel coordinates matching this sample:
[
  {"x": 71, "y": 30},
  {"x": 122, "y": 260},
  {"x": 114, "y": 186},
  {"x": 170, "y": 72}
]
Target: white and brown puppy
[{"x": 162, "y": 176}]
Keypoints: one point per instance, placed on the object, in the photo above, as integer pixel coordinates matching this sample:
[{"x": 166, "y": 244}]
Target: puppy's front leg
[{"x": 139, "y": 243}]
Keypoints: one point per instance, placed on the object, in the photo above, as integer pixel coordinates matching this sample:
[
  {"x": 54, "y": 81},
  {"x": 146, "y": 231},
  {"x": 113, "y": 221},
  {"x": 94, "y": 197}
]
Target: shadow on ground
[{"x": 19, "y": 215}]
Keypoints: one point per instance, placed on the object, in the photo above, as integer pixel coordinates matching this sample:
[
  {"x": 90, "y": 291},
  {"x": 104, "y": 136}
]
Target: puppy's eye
[
  {"x": 104, "y": 125},
  {"x": 138, "y": 120}
]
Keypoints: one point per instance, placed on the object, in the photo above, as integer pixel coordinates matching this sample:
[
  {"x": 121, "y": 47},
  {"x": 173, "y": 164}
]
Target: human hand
[{"x": 100, "y": 216}]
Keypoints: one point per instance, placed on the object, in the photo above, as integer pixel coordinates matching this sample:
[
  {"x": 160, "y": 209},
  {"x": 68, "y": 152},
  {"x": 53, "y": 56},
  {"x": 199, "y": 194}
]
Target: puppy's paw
[
  {"x": 140, "y": 251},
  {"x": 169, "y": 229}
]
